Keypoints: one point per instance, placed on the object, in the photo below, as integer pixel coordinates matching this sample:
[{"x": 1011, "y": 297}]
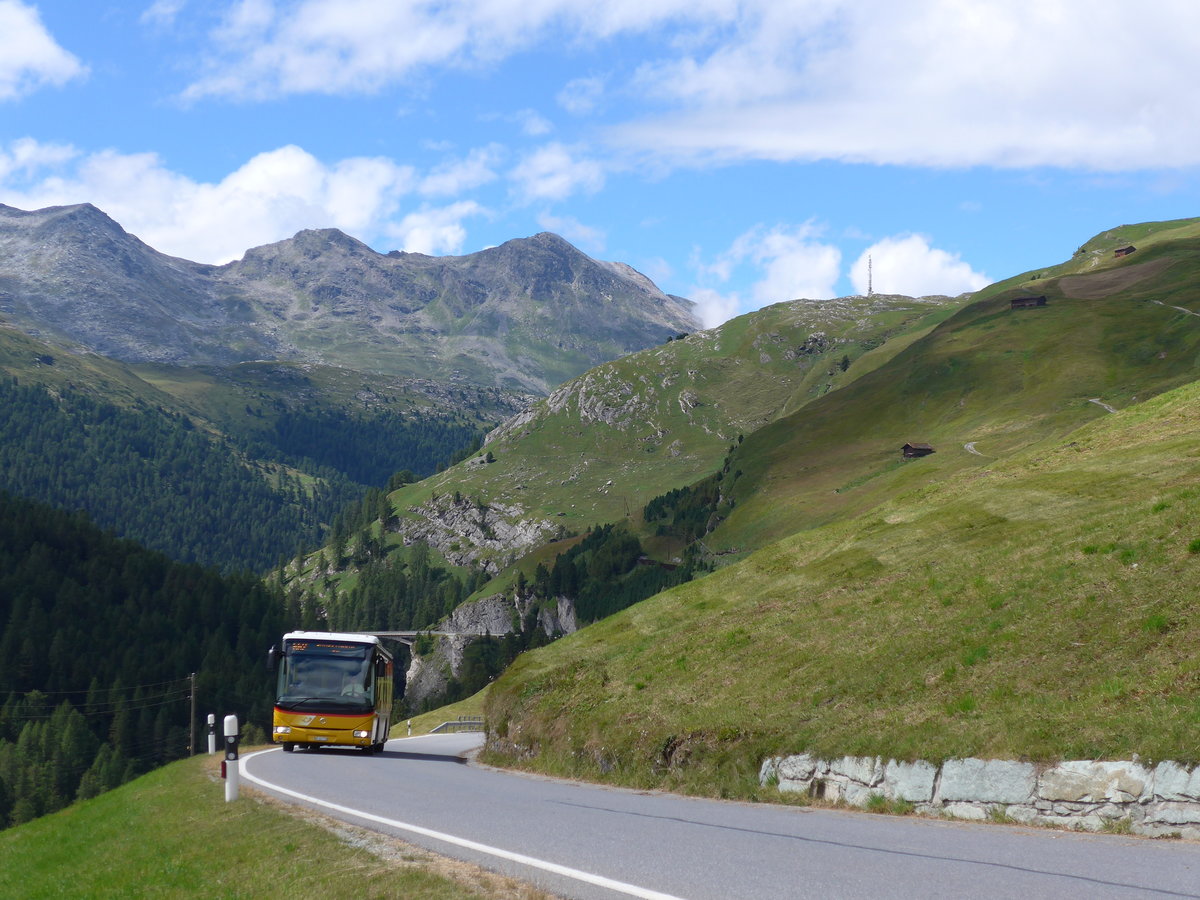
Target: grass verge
[
  {"x": 171, "y": 834},
  {"x": 426, "y": 722}
]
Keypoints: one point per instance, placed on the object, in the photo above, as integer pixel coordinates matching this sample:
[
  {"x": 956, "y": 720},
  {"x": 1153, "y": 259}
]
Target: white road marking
[{"x": 619, "y": 886}]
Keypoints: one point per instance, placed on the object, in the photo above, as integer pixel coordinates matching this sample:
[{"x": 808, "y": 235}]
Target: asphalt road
[{"x": 583, "y": 841}]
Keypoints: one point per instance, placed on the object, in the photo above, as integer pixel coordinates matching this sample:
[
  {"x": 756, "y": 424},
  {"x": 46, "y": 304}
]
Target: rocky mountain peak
[
  {"x": 80, "y": 220},
  {"x": 525, "y": 315},
  {"x": 312, "y": 243}
]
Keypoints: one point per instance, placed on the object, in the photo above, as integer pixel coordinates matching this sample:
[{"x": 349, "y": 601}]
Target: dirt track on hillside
[{"x": 1099, "y": 285}]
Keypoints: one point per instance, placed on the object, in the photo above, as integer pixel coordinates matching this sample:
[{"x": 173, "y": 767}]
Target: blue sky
[{"x": 738, "y": 153}]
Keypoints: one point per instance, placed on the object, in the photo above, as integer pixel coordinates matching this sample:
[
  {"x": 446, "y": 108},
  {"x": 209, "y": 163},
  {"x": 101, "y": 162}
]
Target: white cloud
[
  {"x": 907, "y": 264},
  {"x": 787, "y": 263},
  {"x": 29, "y": 55},
  {"x": 1073, "y": 83},
  {"x": 713, "y": 307},
  {"x": 554, "y": 172},
  {"x": 454, "y": 177},
  {"x": 270, "y": 197},
  {"x": 434, "y": 231},
  {"x": 590, "y": 239},
  {"x": 245, "y": 23},
  {"x": 1069, "y": 83},
  {"x": 533, "y": 124},
  {"x": 26, "y": 156},
  {"x": 162, "y": 13},
  {"x": 581, "y": 95},
  {"x": 341, "y": 46},
  {"x": 794, "y": 266}
]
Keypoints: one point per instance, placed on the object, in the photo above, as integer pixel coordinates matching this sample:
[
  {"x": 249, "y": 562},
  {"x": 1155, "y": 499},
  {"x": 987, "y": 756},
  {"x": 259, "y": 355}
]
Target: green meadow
[
  {"x": 171, "y": 834},
  {"x": 1040, "y": 606}
]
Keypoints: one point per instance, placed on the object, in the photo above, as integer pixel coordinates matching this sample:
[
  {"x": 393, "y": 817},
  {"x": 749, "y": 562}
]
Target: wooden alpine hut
[
  {"x": 1028, "y": 302},
  {"x": 915, "y": 449}
]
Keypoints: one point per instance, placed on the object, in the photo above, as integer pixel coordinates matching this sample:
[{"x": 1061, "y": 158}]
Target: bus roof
[{"x": 349, "y": 637}]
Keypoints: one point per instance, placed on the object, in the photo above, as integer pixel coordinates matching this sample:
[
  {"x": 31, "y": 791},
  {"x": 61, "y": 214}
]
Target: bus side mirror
[{"x": 272, "y": 659}]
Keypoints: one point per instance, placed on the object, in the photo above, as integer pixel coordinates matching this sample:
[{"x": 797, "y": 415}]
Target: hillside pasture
[{"x": 1040, "y": 607}]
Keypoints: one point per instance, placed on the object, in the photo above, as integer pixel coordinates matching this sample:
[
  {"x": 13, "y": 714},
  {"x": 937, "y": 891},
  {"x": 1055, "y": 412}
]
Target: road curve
[{"x": 584, "y": 841}]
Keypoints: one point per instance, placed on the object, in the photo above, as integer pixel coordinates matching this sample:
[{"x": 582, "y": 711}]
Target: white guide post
[{"x": 231, "y": 758}]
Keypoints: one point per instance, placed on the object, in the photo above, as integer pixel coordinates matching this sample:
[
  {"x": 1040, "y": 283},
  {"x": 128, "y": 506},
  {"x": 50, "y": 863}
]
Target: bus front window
[
  {"x": 358, "y": 683},
  {"x": 314, "y": 681}
]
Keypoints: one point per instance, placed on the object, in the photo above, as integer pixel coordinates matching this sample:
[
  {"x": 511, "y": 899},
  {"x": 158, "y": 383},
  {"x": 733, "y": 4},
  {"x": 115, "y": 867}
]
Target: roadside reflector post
[
  {"x": 231, "y": 756},
  {"x": 212, "y": 734},
  {"x": 410, "y": 727}
]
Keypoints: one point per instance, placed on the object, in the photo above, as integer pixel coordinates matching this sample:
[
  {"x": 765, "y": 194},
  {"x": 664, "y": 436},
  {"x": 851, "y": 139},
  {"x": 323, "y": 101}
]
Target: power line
[
  {"x": 108, "y": 706},
  {"x": 132, "y": 687},
  {"x": 110, "y": 701},
  {"x": 42, "y": 716}
]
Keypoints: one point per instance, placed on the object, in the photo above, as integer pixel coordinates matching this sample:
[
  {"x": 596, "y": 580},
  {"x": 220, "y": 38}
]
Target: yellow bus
[{"x": 333, "y": 690}]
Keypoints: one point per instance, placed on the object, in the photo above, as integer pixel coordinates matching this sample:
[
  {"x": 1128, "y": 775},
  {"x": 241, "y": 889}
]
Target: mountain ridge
[{"x": 525, "y": 315}]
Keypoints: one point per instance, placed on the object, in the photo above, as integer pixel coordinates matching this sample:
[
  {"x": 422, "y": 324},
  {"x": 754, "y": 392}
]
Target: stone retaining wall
[{"x": 1087, "y": 795}]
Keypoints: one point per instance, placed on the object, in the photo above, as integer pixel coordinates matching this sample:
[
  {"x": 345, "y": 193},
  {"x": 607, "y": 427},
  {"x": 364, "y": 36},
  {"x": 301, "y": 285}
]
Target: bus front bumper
[{"x": 322, "y": 729}]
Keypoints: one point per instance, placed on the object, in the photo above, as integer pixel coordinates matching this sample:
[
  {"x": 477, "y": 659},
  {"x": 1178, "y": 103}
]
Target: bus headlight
[
  {"x": 362, "y": 734},
  {"x": 283, "y": 729}
]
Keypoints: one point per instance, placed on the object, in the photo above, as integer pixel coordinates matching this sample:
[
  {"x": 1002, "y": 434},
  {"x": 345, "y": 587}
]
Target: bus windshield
[{"x": 326, "y": 676}]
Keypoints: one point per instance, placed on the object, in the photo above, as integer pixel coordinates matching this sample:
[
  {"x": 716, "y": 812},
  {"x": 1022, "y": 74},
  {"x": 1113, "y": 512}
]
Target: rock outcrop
[
  {"x": 474, "y": 534},
  {"x": 1086, "y": 794},
  {"x": 429, "y": 675}
]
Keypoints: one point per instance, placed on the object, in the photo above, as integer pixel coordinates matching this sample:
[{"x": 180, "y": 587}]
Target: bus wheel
[{"x": 288, "y": 747}]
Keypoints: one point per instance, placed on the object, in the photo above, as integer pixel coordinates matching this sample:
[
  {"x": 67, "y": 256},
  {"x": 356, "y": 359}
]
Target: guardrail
[{"x": 462, "y": 723}]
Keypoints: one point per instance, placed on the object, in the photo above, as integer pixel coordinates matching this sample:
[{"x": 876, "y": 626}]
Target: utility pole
[{"x": 192, "y": 717}]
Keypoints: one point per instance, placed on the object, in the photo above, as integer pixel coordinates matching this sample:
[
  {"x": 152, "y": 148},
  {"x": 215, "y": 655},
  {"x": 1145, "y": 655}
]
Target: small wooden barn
[
  {"x": 1028, "y": 302},
  {"x": 1124, "y": 251},
  {"x": 647, "y": 561},
  {"x": 915, "y": 449}
]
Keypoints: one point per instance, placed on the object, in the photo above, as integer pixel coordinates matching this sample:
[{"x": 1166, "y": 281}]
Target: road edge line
[{"x": 632, "y": 890}]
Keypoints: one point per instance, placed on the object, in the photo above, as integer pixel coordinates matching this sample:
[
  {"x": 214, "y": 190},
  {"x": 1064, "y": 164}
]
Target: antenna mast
[{"x": 870, "y": 279}]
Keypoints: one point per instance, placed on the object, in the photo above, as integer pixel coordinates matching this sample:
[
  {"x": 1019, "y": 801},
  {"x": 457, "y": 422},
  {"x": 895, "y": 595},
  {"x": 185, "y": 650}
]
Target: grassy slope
[
  {"x": 170, "y": 834},
  {"x": 998, "y": 378},
  {"x": 426, "y": 722},
  {"x": 1041, "y": 607},
  {"x": 821, "y": 447},
  {"x": 1032, "y": 602},
  {"x": 112, "y": 381},
  {"x": 558, "y": 462},
  {"x": 245, "y": 399}
]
